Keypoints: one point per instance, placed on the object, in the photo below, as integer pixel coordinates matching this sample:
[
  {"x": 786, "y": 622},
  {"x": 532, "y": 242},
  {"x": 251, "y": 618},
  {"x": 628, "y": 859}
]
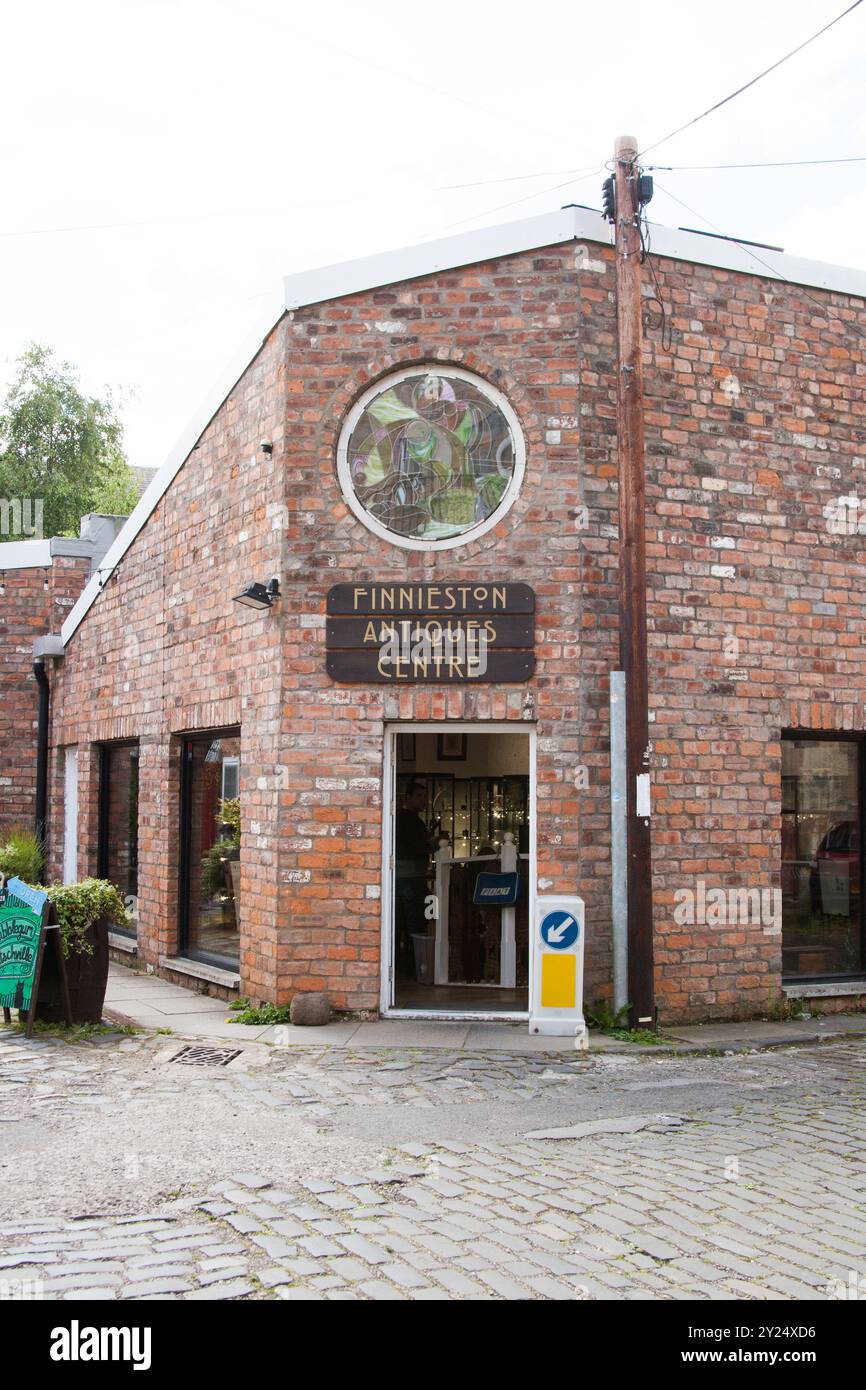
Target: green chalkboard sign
[{"x": 22, "y": 919}]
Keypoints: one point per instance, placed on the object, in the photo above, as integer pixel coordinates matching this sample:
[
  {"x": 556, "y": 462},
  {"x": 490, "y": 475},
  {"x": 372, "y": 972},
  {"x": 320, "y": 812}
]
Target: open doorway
[{"x": 459, "y": 860}]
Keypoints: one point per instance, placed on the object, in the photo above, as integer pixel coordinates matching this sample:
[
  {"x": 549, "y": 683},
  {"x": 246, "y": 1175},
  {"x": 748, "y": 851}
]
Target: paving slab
[
  {"x": 400, "y": 1032},
  {"x": 188, "y": 1003},
  {"x": 766, "y": 1033},
  {"x": 206, "y": 1025},
  {"x": 514, "y": 1037},
  {"x": 151, "y": 1002},
  {"x": 336, "y": 1034}
]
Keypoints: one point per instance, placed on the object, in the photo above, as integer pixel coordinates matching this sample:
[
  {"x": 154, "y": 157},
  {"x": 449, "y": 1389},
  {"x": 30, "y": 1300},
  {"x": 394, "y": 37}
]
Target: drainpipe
[
  {"x": 42, "y": 647},
  {"x": 618, "y": 847},
  {"x": 41, "y": 748}
]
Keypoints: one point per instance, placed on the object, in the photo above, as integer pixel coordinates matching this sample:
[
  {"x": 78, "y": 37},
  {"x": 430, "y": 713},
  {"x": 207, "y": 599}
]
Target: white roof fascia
[
  {"x": 678, "y": 245},
  {"x": 161, "y": 481},
  {"x": 429, "y": 257},
  {"x": 550, "y": 229},
  {"x": 25, "y": 555}
]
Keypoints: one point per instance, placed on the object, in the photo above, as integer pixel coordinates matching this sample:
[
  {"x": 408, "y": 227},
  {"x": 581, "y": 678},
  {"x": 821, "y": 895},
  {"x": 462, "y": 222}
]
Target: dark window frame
[
  {"x": 859, "y": 739},
  {"x": 105, "y": 751},
  {"x": 187, "y": 741}
]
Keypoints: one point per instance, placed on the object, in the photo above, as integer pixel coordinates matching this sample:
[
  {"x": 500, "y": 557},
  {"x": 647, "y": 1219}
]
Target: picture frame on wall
[
  {"x": 451, "y": 748},
  {"x": 406, "y": 748}
]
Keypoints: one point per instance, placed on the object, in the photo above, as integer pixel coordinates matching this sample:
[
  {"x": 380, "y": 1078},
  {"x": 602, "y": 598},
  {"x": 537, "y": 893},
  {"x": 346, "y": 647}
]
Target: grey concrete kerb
[{"x": 149, "y": 1002}]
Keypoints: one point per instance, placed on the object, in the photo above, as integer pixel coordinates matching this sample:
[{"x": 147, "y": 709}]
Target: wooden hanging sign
[
  {"x": 444, "y": 633},
  {"x": 398, "y": 600}
]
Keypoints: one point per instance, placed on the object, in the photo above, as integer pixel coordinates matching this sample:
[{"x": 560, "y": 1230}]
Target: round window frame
[{"x": 473, "y": 533}]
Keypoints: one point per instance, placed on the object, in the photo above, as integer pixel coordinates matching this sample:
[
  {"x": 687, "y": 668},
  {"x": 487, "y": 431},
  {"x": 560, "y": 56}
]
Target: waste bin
[{"x": 425, "y": 958}]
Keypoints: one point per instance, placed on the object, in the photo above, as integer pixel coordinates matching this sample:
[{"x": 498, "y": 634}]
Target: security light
[{"x": 259, "y": 595}]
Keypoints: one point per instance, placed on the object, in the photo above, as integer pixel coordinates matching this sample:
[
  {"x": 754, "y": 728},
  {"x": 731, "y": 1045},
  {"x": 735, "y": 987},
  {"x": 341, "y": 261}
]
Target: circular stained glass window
[{"x": 431, "y": 458}]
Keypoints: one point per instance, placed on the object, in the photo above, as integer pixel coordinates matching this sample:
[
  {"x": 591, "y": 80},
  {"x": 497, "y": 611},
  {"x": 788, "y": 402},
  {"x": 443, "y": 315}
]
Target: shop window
[
  {"x": 210, "y": 847},
  {"x": 822, "y": 857},
  {"x": 118, "y": 826},
  {"x": 431, "y": 457}
]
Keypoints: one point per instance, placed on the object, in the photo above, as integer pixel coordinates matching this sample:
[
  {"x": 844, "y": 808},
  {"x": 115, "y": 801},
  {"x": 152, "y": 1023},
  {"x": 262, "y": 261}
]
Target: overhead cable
[{"x": 746, "y": 85}]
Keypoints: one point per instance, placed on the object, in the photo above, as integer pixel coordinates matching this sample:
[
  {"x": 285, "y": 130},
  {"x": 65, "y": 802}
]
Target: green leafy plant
[
  {"x": 75, "y": 1032},
  {"x": 265, "y": 1013},
  {"x": 21, "y": 854},
  {"x": 80, "y": 905},
  {"x": 645, "y": 1036},
  {"x": 230, "y": 814},
  {"x": 784, "y": 1010},
  {"x": 213, "y": 870},
  {"x": 600, "y": 1015},
  {"x": 62, "y": 446}
]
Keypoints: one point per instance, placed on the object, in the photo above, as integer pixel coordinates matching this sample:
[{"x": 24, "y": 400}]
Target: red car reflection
[{"x": 835, "y": 877}]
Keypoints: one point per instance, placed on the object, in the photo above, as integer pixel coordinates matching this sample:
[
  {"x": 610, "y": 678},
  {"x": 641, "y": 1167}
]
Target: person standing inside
[{"x": 412, "y": 849}]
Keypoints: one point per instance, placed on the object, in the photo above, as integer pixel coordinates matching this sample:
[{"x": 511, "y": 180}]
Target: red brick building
[
  {"x": 40, "y": 581},
  {"x": 435, "y": 430}
]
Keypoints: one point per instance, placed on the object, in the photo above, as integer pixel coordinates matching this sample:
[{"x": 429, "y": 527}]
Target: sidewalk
[{"x": 149, "y": 1002}]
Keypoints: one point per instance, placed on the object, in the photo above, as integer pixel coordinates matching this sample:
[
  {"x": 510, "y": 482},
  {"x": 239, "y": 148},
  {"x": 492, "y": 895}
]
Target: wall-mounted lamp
[
  {"x": 266, "y": 447},
  {"x": 259, "y": 595}
]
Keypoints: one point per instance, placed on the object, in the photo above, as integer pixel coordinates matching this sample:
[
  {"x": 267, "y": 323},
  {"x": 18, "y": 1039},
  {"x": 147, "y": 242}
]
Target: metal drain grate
[{"x": 206, "y": 1056}]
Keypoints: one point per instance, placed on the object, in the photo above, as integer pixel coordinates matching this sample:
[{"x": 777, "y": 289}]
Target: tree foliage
[{"x": 62, "y": 446}]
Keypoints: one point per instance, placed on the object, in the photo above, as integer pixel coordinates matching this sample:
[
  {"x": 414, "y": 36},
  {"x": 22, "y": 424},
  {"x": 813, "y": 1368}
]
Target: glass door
[
  {"x": 118, "y": 826},
  {"x": 211, "y": 847}
]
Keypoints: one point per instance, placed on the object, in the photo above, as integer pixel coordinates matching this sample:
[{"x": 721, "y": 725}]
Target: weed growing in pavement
[
  {"x": 601, "y": 1017},
  {"x": 75, "y": 1032},
  {"x": 785, "y": 1010},
  {"x": 644, "y": 1036},
  {"x": 266, "y": 1013}
]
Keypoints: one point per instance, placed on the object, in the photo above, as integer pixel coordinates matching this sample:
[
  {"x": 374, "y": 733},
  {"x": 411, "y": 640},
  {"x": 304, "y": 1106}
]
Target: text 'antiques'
[{"x": 442, "y": 633}]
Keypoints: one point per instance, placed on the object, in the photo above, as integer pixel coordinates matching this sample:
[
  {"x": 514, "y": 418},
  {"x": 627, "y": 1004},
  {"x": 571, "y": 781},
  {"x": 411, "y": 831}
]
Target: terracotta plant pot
[{"x": 87, "y": 976}]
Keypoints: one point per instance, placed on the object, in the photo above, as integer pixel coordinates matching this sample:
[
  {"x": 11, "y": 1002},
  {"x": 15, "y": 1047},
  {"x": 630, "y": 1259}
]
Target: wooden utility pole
[{"x": 632, "y": 581}]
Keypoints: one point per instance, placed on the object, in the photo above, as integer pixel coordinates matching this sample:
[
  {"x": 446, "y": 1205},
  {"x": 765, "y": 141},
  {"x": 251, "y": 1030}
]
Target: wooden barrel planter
[
  {"x": 86, "y": 912},
  {"x": 86, "y": 975}
]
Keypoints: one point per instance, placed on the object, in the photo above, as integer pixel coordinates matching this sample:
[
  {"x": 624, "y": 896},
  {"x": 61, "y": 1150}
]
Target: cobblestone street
[{"x": 383, "y": 1174}]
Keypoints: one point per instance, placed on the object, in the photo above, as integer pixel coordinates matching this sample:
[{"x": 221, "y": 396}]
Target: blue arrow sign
[{"x": 559, "y": 930}]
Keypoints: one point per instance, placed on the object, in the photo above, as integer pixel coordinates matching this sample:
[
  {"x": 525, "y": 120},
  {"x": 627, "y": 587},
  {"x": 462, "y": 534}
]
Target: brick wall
[
  {"x": 515, "y": 323},
  {"x": 33, "y": 603},
  {"x": 164, "y": 650},
  {"x": 755, "y": 424},
  {"x": 753, "y": 607}
]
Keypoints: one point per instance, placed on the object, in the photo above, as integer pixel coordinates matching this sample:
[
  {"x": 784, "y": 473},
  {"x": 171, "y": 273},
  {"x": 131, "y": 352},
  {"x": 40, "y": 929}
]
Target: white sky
[{"x": 256, "y": 139}]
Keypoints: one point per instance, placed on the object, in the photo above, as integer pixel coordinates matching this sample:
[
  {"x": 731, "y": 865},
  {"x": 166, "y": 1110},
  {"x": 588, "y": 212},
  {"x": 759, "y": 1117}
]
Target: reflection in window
[
  {"x": 821, "y": 866},
  {"x": 118, "y": 826},
  {"x": 212, "y": 838}
]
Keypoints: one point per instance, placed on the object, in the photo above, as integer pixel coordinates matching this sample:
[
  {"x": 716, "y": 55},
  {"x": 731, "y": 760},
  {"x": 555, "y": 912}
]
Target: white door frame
[
  {"x": 389, "y": 786},
  {"x": 70, "y": 813}
]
